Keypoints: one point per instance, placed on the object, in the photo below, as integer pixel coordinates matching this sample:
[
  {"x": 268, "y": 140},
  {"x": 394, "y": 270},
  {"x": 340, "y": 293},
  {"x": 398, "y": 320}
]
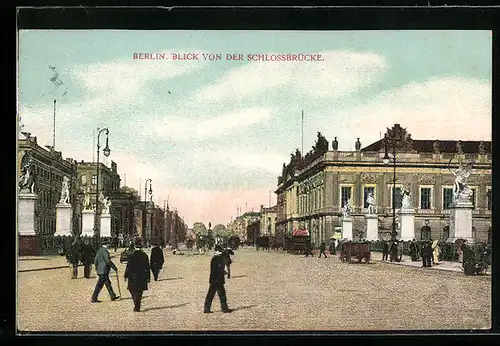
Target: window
[
  {"x": 447, "y": 197},
  {"x": 397, "y": 196},
  {"x": 425, "y": 198},
  {"x": 488, "y": 195},
  {"x": 94, "y": 179},
  {"x": 345, "y": 195},
  {"x": 368, "y": 190},
  {"x": 84, "y": 179}
]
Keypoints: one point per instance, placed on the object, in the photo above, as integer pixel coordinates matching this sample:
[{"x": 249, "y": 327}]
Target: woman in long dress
[{"x": 435, "y": 252}]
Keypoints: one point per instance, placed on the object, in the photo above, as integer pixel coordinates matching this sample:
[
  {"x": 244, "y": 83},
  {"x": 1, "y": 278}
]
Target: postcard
[{"x": 254, "y": 180}]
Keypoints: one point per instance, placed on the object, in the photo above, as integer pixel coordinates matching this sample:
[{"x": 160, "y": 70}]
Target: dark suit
[
  {"x": 216, "y": 283},
  {"x": 73, "y": 257},
  {"x": 157, "y": 261},
  {"x": 103, "y": 265},
  {"x": 138, "y": 275},
  {"x": 385, "y": 251},
  {"x": 88, "y": 255},
  {"x": 322, "y": 249}
]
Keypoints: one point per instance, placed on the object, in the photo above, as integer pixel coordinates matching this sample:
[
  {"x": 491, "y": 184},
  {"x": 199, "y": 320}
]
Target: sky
[{"x": 213, "y": 135}]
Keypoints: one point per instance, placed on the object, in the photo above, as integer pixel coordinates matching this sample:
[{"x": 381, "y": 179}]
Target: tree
[
  {"x": 199, "y": 228},
  {"x": 219, "y": 229}
]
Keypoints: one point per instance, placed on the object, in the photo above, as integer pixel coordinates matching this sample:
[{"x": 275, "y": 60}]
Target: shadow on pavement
[
  {"x": 90, "y": 278},
  {"x": 165, "y": 279},
  {"x": 239, "y": 276},
  {"x": 244, "y": 307},
  {"x": 129, "y": 298},
  {"x": 166, "y": 307}
]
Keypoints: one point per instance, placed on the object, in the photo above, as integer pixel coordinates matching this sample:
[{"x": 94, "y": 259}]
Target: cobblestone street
[{"x": 268, "y": 290}]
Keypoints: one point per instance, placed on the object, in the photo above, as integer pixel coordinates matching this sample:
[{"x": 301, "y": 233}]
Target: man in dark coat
[
  {"x": 103, "y": 266},
  {"x": 73, "y": 256},
  {"x": 322, "y": 249},
  {"x": 157, "y": 261},
  {"x": 88, "y": 255},
  {"x": 138, "y": 275},
  {"x": 413, "y": 251},
  {"x": 426, "y": 254},
  {"x": 216, "y": 282},
  {"x": 308, "y": 248},
  {"x": 394, "y": 251},
  {"x": 385, "y": 250},
  {"x": 226, "y": 255}
]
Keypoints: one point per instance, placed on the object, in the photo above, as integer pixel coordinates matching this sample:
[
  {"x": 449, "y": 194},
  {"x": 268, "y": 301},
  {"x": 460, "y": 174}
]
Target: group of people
[{"x": 80, "y": 251}]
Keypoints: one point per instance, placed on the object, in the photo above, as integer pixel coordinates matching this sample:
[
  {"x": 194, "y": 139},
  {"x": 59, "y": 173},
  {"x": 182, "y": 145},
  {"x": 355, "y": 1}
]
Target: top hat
[{"x": 138, "y": 242}]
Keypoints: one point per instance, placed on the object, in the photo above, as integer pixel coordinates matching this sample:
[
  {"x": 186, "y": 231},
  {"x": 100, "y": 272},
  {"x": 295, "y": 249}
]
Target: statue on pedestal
[
  {"x": 357, "y": 145},
  {"x": 461, "y": 190},
  {"x": 86, "y": 199},
  {"x": 335, "y": 144},
  {"x": 406, "y": 199},
  {"x": 105, "y": 203},
  {"x": 65, "y": 191},
  {"x": 372, "y": 207},
  {"x": 27, "y": 180},
  {"x": 346, "y": 210}
]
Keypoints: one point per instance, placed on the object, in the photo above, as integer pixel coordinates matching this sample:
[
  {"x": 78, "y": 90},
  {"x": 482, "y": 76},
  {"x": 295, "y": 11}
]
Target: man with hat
[
  {"x": 137, "y": 273},
  {"x": 103, "y": 266},
  {"x": 157, "y": 260},
  {"x": 217, "y": 282}
]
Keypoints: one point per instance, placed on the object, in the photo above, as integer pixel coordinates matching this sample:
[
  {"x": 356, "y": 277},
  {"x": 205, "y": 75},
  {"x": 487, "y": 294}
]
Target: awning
[{"x": 300, "y": 232}]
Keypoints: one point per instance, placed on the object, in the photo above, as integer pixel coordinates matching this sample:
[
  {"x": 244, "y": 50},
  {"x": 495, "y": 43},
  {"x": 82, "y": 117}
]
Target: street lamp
[
  {"x": 146, "y": 189},
  {"x": 386, "y": 160},
  {"x": 106, "y": 151}
]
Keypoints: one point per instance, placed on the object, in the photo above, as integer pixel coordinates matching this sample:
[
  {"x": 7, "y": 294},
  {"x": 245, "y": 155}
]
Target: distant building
[
  {"x": 313, "y": 189},
  {"x": 239, "y": 226},
  {"x": 268, "y": 220}
]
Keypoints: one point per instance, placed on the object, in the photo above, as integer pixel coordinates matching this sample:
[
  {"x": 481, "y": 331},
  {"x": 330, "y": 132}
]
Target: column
[
  {"x": 437, "y": 193},
  {"x": 358, "y": 201},
  {"x": 29, "y": 244}
]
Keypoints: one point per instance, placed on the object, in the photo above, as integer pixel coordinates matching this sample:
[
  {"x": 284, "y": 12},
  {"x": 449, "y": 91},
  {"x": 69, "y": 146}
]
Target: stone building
[
  {"x": 50, "y": 168},
  {"x": 313, "y": 188},
  {"x": 268, "y": 220},
  {"x": 240, "y": 225}
]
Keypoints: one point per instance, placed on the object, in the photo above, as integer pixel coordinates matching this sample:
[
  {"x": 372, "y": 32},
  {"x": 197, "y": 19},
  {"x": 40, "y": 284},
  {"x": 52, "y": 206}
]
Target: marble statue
[
  {"x": 357, "y": 145},
  {"x": 335, "y": 144},
  {"x": 346, "y": 210},
  {"x": 105, "y": 203},
  {"x": 406, "y": 199},
  {"x": 27, "y": 180},
  {"x": 436, "y": 147},
  {"x": 86, "y": 200},
  {"x": 65, "y": 191},
  {"x": 461, "y": 190},
  {"x": 460, "y": 149},
  {"x": 372, "y": 207},
  {"x": 482, "y": 148}
]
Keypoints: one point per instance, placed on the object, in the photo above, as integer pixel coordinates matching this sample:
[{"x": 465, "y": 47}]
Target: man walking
[
  {"x": 394, "y": 251},
  {"x": 226, "y": 256},
  {"x": 73, "y": 256},
  {"x": 138, "y": 275},
  {"x": 308, "y": 248},
  {"x": 88, "y": 255},
  {"x": 322, "y": 248},
  {"x": 157, "y": 261},
  {"x": 103, "y": 266},
  {"x": 216, "y": 282}
]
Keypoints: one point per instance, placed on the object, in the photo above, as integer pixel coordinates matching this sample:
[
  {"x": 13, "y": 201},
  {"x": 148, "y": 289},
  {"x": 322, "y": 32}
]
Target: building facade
[
  {"x": 268, "y": 220},
  {"x": 311, "y": 192},
  {"x": 50, "y": 168}
]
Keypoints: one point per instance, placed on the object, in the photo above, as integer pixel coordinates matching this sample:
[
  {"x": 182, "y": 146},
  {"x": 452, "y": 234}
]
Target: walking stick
[{"x": 118, "y": 282}]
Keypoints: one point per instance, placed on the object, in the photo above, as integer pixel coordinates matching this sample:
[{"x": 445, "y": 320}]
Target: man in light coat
[{"x": 103, "y": 265}]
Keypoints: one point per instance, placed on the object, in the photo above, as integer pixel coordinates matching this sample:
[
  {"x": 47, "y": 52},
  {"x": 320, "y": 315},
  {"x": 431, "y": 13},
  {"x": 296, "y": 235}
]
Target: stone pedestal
[
  {"x": 29, "y": 244},
  {"x": 407, "y": 224},
  {"x": 88, "y": 223},
  {"x": 461, "y": 222},
  {"x": 347, "y": 228},
  {"x": 371, "y": 227},
  {"x": 64, "y": 217},
  {"x": 105, "y": 225}
]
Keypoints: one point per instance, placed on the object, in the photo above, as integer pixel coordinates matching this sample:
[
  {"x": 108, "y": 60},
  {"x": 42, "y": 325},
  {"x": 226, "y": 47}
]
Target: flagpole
[{"x": 54, "y": 128}]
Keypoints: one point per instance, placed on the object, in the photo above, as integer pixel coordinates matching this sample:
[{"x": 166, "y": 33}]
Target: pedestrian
[
  {"x": 73, "y": 254},
  {"x": 216, "y": 282},
  {"x": 435, "y": 252},
  {"x": 332, "y": 247},
  {"x": 88, "y": 255},
  {"x": 322, "y": 248},
  {"x": 103, "y": 265},
  {"x": 308, "y": 248},
  {"x": 430, "y": 253},
  {"x": 413, "y": 251},
  {"x": 394, "y": 251},
  {"x": 427, "y": 255},
  {"x": 115, "y": 242},
  {"x": 157, "y": 261},
  {"x": 137, "y": 274},
  {"x": 385, "y": 250}
]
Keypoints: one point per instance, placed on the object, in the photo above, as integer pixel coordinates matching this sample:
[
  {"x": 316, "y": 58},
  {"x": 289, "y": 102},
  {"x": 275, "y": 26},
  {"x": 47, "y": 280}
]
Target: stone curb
[
  {"x": 50, "y": 268},
  {"x": 434, "y": 268}
]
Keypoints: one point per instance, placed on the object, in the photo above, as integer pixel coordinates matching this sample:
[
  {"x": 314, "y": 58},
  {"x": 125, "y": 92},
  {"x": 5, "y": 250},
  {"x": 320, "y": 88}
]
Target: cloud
[
  {"x": 341, "y": 73},
  {"x": 446, "y": 108},
  {"x": 183, "y": 128}
]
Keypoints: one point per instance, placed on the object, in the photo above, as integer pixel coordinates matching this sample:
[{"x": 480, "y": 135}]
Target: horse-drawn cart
[{"x": 355, "y": 250}]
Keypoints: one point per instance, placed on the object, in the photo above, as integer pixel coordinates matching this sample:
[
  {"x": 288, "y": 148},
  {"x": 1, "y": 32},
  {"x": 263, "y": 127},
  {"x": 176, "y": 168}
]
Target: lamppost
[
  {"x": 386, "y": 159},
  {"x": 106, "y": 151},
  {"x": 148, "y": 217}
]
